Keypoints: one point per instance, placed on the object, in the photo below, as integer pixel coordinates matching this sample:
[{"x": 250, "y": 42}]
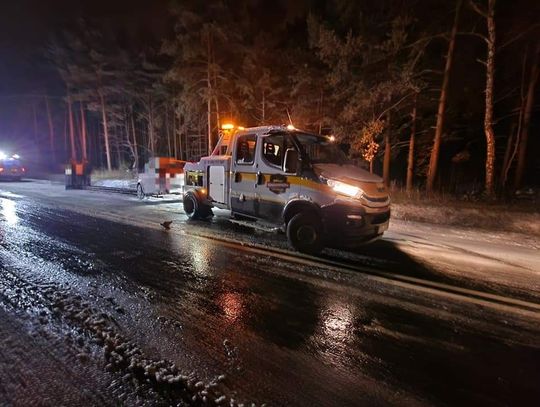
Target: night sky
[{"x": 26, "y": 26}]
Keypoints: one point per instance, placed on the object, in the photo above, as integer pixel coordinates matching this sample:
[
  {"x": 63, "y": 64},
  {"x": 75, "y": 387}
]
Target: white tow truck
[{"x": 295, "y": 181}]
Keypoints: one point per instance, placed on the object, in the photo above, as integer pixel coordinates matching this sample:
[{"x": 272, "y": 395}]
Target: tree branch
[
  {"x": 518, "y": 36},
  {"x": 481, "y": 61},
  {"x": 425, "y": 40},
  {"x": 425, "y": 71},
  {"x": 475, "y": 34},
  {"x": 394, "y": 105},
  {"x": 477, "y": 8}
]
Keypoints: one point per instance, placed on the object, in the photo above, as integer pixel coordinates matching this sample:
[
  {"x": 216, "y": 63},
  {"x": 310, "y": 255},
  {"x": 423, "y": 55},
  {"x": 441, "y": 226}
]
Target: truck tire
[
  {"x": 194, "y": 208},
  {"x": 140, "y": 192},
  {"x": 305, "y": 233}
]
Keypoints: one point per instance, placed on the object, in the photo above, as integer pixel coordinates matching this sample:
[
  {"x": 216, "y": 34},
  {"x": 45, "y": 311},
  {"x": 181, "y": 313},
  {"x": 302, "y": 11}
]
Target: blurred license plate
[{"x": 384, "y": 227}]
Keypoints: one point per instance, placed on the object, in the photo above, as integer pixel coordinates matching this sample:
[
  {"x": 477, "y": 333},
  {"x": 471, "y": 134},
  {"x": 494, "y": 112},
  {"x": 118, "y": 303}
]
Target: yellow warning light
[
  {"x": 332, "y": 138},
  {"x": 241, "y": 128},
  {"x": 227, "y": 126},
  {"x": 290, "y": 127},
  {"x": 203, "y": 191}
]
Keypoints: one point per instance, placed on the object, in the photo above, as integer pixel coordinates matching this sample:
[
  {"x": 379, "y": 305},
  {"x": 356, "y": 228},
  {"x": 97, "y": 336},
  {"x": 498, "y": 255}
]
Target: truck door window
[
  {"x": 273, "y": 148},
  {"x": 245, "y": 149}
]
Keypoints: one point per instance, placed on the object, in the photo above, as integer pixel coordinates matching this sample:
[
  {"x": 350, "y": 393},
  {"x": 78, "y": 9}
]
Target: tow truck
[{"x": 282, "y": 178}]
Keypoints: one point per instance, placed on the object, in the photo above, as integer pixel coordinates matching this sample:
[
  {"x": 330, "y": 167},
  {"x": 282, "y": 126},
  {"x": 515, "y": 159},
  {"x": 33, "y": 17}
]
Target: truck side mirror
[{"x": 291, "y": 162}]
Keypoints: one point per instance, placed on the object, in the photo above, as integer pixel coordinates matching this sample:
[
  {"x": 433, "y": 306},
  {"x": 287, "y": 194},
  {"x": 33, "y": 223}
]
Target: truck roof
[{"x": 263, "y": 129}]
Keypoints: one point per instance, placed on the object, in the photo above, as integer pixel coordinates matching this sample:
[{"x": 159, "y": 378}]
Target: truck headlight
[{"x": 343, "y": 188}]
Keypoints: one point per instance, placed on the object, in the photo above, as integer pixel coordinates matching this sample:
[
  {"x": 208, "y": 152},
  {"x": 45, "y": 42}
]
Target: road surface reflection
[{"x": 9, "y": 211}]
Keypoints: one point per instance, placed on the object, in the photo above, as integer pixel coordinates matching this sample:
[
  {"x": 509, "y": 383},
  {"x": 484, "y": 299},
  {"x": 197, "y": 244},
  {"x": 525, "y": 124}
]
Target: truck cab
[{"x": 299, "y": 182}]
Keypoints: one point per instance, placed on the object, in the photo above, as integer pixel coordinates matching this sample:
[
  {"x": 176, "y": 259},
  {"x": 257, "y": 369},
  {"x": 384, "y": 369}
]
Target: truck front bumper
[{"x": 350, "y": 226}]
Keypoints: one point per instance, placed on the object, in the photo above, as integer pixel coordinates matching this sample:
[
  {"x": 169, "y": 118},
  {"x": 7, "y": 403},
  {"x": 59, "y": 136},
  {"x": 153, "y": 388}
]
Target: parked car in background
[{"x": 11, "y": 167}]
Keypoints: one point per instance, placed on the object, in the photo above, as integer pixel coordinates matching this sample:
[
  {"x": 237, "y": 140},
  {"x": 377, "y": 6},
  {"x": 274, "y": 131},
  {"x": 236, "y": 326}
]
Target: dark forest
[{"x": 433, "y": 95}]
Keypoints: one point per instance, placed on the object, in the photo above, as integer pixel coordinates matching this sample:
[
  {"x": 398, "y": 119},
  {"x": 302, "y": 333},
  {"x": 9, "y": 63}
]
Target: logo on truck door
[{"x": 278, "y": 183}]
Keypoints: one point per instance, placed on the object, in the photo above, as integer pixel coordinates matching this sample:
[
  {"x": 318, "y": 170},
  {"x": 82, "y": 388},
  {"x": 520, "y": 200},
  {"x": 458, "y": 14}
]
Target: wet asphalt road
[{"x": 100, "y": 306}]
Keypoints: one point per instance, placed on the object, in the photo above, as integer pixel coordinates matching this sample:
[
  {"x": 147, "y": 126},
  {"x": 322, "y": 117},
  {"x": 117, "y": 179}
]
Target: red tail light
[
  {"x": 1, "y": 169},
  {"x": 23, "y": 169}
]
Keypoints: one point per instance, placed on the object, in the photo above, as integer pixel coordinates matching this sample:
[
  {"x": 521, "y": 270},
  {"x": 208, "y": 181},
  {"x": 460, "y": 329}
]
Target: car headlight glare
[{"x": 343, "y": 188}]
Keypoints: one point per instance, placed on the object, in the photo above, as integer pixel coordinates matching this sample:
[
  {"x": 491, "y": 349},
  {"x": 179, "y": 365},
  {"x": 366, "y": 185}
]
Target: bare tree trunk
[
  {"x": 507, "y": 155},
  {"x": 216, "y": 104},
  {"x": 263, "y": 106},
  {"x": 36, "y": 137},
  {"x": 387, "y": 153},
  {"x": 71, "y": 130},
  {"x": 209, "y": 93},
  {"x": 65, "y": 135},
  {"x": 129, "y": 144},
  {"x": 488, "y": 117},
  {"x": 34, "y": 121},
  {"x": 434, "y": 158},
  {"x": 168, "y": 129},
  {"x": 215, "y": 89},
  {"x": 516, "y": 143},
  {"x": 91, "y": 142},
  {"x": 410, "y": 159},
  {"x": 175, "y": 135},
  {"x": 118, "y": 149},
  {"x": 105, "y": 130},
  {"x": 181, "y": 152},
  {"x": 135, "y": 151},
  {"x": 371, "y": 166},
  {"x": 83, "y": 133},
  {"x": 321, "y": 101},
  {"x": 522, "y": 154},
  {"x": 51, "y": 130},
  {"x": 151, "y": 136}
]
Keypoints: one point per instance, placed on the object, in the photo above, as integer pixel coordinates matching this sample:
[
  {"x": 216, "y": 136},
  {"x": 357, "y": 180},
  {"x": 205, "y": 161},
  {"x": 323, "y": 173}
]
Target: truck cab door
[
  {"x": 244, "y": 181},
  {"x": 278, "y": 186}
]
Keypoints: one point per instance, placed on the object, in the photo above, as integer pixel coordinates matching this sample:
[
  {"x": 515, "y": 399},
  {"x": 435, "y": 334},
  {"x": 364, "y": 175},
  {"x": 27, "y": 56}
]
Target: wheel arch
[
  {"x": 299, "y": 205},
  {"x": 198, "y": 194}
]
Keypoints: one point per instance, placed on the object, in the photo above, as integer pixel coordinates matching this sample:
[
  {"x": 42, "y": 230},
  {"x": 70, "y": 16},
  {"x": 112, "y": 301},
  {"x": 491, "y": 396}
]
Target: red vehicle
[{"x": 11, "y": 168}]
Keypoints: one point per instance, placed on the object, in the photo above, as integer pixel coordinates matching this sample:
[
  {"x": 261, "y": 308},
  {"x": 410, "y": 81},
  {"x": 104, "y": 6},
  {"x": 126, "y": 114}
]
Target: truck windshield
[{"x": 319, "y": 149}]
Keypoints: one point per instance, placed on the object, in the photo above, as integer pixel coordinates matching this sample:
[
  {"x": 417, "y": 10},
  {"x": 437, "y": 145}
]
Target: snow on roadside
[
  {"x": 55, "y": 303},
  {"x": 481, "y": 218},
  {"x": 116, "y": 183}
]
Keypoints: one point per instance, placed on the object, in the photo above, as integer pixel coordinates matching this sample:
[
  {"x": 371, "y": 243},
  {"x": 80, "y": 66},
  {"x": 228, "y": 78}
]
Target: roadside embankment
[{"x": 518, "y": 217}]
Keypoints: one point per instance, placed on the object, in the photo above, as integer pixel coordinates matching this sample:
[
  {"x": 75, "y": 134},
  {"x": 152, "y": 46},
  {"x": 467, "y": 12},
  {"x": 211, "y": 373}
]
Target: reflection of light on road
[
  {"x": 231, "y": 304},
  {"x": 200, "y": 255},
  {"x": 337, "y": 322},
  {"x": 9, "y": 212},
  {"x": 335, "y": 332}
]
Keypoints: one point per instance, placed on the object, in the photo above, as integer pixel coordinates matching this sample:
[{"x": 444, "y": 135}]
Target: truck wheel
[
  {"x": 304, "y": 232},
  {"x": 194, "y": 208},
  {"x": 140, "y": 192}
]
